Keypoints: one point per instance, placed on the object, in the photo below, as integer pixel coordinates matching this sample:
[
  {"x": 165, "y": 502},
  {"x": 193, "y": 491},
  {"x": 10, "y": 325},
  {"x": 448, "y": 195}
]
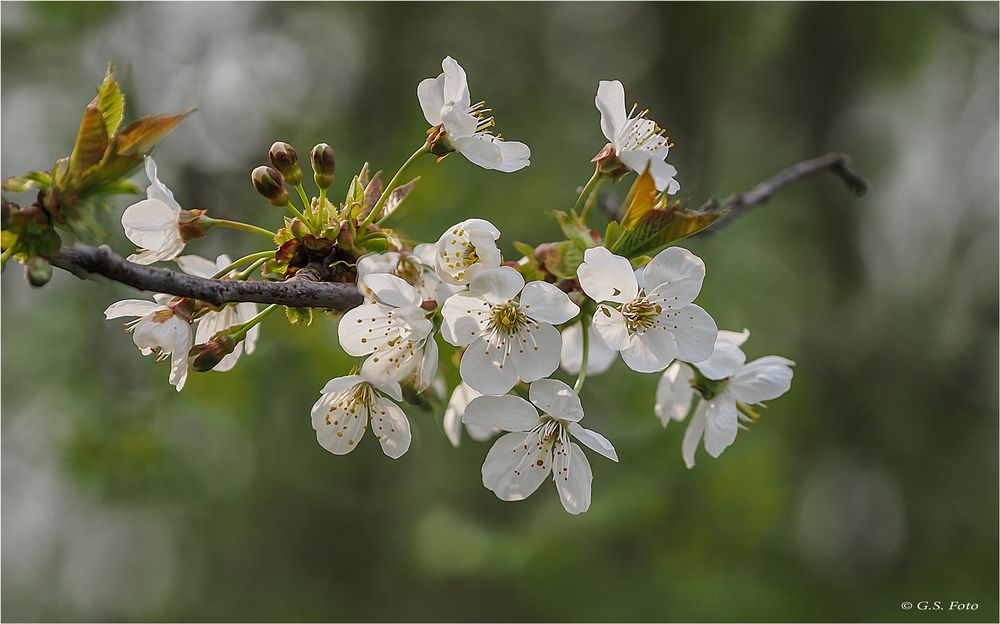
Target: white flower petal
[
  {"x": 150, "y": 224},
  {"x": 763, "y": 379},
  {"x": 610, "y": 324},
  {"x": 130, "y": 307},
  {"x": 650, "y": 351},
  {"x": 497, "y": 285},
  {"x": 594, "y": 441},
  {"x": 514, "y": 155},
  {"x": 456, "y": 84},
  {"x": 556, "y": 399},
  {"x": 430, "y": 94},
  {"x": 480, "y": 149},
  {"x": 178, "y": 369},
  {"x": 607, "y": 277},
  {"x": 461, "y": 396},
  {"x": 392, "y": 290},
  {"x": 428, "y": 365},
  {"x": 610, "y": 101},
  {"x": 694, "y": 330},
  {"x": 158, "y": 190},
  {"x": 339, "y": 384},
  {"x": 573, "y": 476},
  {"x": 674, "y": 393},
  {"x": 692, "y": 436},
  {"x": 460, "y": 125},
  {"x": 464, "y": 318},
  {"x": 390, "y": 426},
  {"x": 516, "y": 465},
  {"x": 338, "y": 430},
  {"x": 544, "y": 302},
  {"x": 484, "y": 368},
  {"x": 508, "y": 413},
  {"x": 534, "y": 353},
  {"x": 365, "y": 328},
  {"x": 600, "y": 356},
  {"x": 196, "y": 265},
  {"x": 675, "y": 276},
  {"x": 727, "y": 358},
  {"x": 663, "y": 175},
  {"x": 721, "y": 424}
]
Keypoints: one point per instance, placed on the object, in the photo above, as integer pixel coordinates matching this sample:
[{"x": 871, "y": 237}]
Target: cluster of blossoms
[{"x": 508, "y": 326}]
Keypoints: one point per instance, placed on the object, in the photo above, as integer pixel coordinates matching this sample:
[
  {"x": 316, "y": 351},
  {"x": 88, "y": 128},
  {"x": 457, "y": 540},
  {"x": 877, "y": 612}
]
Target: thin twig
[
  {"x": 299, "y": 291},
  {"x": 835, "y": 163}
]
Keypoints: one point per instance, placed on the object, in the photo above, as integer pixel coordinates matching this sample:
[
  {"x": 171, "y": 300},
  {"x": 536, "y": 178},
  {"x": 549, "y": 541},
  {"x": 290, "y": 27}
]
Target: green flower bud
[
  {"x": 324, "y": 164},
  {"x": 270, "y": 184},
  {"x": 206, "y": 356},
  {"x": 37, "y": 271},
  {"x": 286, "y": 160}
]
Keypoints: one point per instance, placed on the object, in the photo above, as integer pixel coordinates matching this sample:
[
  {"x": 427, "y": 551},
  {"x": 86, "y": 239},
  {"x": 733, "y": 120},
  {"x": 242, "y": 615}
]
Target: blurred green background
[{"x": 873, "y": 482}]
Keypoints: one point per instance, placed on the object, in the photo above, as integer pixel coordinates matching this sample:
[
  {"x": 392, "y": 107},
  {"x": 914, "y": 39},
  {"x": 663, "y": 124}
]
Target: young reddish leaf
[
  {"x": 397, "y": 196},
  {"x": 372, "y": 192},
  {"x": 91, "y": 141},
  {"x": 142, "y": 134}
]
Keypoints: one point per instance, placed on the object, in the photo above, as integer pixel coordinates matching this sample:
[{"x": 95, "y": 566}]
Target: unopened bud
[
  {"x": 271, "y": 184},
  {"x": 37, "y": 271},
  {"x": 206, "y": 356},
  {"x": 285, "y": 159},
  {"x": 7, "y": 214},
  {"x": 324, "y": 164}
]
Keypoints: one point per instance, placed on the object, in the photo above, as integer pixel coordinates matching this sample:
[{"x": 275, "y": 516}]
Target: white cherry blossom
[
  {"x": 415, "y": 267},
  {"x": 159, "y": 329},
  {"x": 507, "y": 326},
  {"x": 722, "y": 382},
  {"x": 393, "y": 330},
  {"x": 152, "y": 224},
  {"x": 459, "y": 401},
  {"x": 341, "y": 415},
  {"x": 652, "y": 325},
  {"x": 215, "y": 321},
  {"x": 636, "y": 141},
  {"x": 465, "y": 249},
  {"x": 539, "y": 444},
  {"x": 446, "y": 105},
  {"x": 600, "y": 356}
]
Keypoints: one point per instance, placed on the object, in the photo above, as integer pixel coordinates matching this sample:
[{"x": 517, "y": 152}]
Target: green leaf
[
  {"x": 525, "y": 250},
  {"x": 27, "y": 181},
  {"x": 91, "y": 142},
  {"x": 575, "y": 230},
  {"x": 612, "y": 235},
  {"x": 563, "y": 259},
  {"x": 111, "y": 101},
  {"x": 302, "y": 317},
  {"x": 659, "y": 228}
]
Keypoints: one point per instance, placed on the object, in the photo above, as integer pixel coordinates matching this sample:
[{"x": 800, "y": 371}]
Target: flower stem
[
  {"x": 393, "y": 183},
  {"x": 306, "y": 205},
  {"x": 241, "y": 332},
  {"x": 260, "y": 255},
  {"x": 582, "y": 375},
  {"x": 586, "y": 192},
  {"x": 322, "y": 205},
  {"x": 7, "y": 253},
  {"x": 295, "y": 211},
  {"x": 247, "y": 272},
  {"x": 236, "y": 225}
]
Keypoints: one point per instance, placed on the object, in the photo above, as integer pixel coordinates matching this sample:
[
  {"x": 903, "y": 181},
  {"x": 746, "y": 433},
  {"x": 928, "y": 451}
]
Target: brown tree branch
[
  {"x": 300, "y": 292},
  {"x": 834, "y": 163},
  {"x": 304, "y": 291}
]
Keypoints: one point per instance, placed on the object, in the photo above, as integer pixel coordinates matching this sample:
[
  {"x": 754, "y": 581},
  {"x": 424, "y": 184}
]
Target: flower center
[
  {"x": 641, "y": 314},
  {"x": 507, "y": 318},
  {"x": 462, "y": 255},
  {"x": 356, "y": 401},
  {"x": 482, "y": 114},
  {"x": 408, "y": 269}
]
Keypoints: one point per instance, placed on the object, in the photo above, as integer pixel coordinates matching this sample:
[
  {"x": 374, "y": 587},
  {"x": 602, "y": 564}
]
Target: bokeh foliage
[{"x": 874, "y": 481}]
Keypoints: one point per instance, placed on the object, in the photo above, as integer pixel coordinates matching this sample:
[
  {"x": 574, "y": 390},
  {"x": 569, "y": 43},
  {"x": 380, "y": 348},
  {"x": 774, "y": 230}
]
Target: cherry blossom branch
[
  {"x": 304, "y": 290},
  {"x": 833, "y": 162}
]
